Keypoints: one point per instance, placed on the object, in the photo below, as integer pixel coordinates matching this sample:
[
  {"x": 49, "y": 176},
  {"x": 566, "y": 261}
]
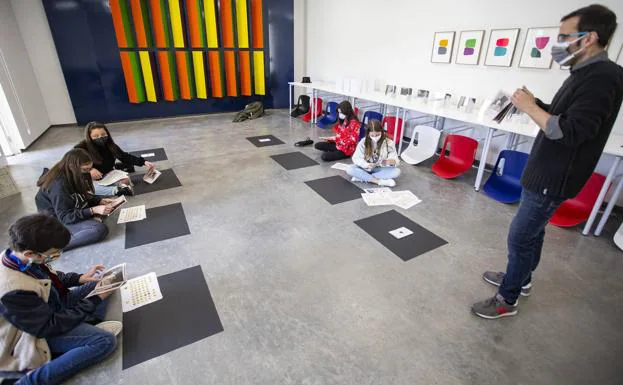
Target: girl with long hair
[
  {"x": 375, "y": 160},
  {"x": 105, "y": 152},
  {"x": 342, "y": 145},
  {"x": 66, "y": 193}
]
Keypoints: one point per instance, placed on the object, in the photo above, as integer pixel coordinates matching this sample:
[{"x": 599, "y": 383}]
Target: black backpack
[
  {"x": 302, "y": 106},
  {"x": 251, "y": 111}
]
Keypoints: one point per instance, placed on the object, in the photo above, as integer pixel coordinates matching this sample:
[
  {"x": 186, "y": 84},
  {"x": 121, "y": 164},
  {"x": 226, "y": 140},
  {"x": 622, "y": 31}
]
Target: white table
[{"x": 614, "y": 146}]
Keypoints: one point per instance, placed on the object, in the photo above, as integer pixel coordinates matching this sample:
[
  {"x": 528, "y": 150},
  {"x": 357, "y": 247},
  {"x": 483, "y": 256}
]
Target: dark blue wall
[{"x": 84, "y": 36}]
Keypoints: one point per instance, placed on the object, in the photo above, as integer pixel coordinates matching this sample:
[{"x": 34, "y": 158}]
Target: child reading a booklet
[
  {"x": 99, "y": 144},
  {"x": 375, "y": 159},
  {"x": 66, "y": 193},
  {"x": 45, "y": 313},
  {"x": 343, "y": 144}
]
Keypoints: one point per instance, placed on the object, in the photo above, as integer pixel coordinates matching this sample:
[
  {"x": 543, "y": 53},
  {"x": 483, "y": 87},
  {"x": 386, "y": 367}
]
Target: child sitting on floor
[{"x": 375, "y": 159}]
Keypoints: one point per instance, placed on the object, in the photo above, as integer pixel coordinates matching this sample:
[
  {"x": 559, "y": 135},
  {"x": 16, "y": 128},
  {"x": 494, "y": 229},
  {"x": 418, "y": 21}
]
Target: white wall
[
  {"x": 391, "y": 42},
  {"x": 18, "y": 80},
  {"x": 35, "y": 31}
]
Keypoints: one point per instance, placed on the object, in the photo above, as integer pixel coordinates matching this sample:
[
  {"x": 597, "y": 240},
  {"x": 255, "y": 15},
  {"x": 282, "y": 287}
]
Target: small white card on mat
[
  {"x": 401, "y": 232},
  {"x": 264, "y": 140},
  {"x": 148, "y": 155}
]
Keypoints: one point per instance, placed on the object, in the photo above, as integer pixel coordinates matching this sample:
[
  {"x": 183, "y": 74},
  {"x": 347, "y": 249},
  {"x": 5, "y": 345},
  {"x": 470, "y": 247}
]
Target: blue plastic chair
[
  {"x": 369, "y": 115},
  {"x": 330, "y": 117},
  {"x": 503, "y": 185}
]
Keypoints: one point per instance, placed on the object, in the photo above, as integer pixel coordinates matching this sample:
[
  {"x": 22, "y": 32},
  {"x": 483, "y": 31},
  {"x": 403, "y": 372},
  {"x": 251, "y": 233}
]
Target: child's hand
[{"x": 92, "y": 275}]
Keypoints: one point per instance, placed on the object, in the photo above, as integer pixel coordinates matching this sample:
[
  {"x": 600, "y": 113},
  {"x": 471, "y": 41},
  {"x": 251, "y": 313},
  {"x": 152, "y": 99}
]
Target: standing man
[{"x": 574, "y": 131}]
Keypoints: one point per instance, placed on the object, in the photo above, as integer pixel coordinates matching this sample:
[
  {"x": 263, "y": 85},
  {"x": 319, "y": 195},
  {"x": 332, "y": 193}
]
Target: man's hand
[
  {"x": 91, "y": 275},
  {"x": 523, "y": 99},
  {"x": 107, "y": 201}
]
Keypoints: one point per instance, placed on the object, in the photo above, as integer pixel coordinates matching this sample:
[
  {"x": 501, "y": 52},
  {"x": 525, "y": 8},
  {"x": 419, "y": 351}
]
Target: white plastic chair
[
  {"x": 618, "y": 237},
  {"x": 427, "y": 143}
]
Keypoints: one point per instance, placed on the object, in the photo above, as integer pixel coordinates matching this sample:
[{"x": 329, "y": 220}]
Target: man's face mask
[{"x": 560, "y": 49}]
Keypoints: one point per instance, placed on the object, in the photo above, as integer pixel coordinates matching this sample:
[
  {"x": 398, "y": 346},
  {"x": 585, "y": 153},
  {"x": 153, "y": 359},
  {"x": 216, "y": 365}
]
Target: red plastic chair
[
  {"x": 389, "y": 124},
  {"x": 308, "y": 115},
  {"x": 574, "y": 211},
  {"x": 462, "y": 156}
]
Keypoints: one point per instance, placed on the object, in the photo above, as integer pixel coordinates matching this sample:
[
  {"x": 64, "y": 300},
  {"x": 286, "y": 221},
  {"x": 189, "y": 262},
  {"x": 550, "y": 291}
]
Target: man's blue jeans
[
  {"x": 80, "y": 348},
  {"x": 525, "y": 241}
]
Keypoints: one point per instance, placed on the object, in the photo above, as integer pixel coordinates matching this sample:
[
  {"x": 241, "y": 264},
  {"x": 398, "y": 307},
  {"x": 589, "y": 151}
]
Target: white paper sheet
[
  {"x": 264, "y": 140},
  {"x": 140, "y": 291},
  {"x": 112, "y": 177},
  {"x": 341, "y": 166},
  {"x": 405, "y": 199},
  {"x": 150, "y": 177},
  {"x": 132, "y": 214},
  {"x": 377, "y": 199},
  {"x": 148, "y": 155},
  {"x": 384, "y": 196}
]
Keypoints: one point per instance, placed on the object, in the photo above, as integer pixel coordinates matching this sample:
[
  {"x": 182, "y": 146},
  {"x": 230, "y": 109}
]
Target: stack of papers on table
[{"x": 384, "y": 196}]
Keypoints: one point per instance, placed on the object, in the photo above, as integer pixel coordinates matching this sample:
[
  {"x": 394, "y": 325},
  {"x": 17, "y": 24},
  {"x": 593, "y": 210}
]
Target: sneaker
[
  {"x": 494, "y": 307},
  {"x": 124, "y": 189},
  {"x": 387, "y": 182},
  {"x": 495, "y": 278},
  {"x": 112, "y": 327},
  {"x": 353, "y": 179}
]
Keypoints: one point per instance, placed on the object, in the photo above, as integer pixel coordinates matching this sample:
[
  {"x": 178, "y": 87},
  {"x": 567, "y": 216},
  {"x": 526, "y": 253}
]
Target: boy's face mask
[{"x": 560, "y": 50}]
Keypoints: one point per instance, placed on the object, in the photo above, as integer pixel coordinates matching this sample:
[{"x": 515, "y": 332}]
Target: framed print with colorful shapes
[
  {"x": 442, "y": 47},
  {"x": 536, "y": 51},
  {"x": 470, "y": 44},
  {"x": 502, "y": 43}
]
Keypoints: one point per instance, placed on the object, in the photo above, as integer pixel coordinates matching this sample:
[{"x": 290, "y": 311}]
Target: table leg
[
  {"x": 611, "y": 203},
  {"x": 290, "y": 99},
  {"x": 483, "y": 159},
  {"x": 313, "y": 107},
  {"x": 396, "y": 125},
  {"x": 402, "y": 133},
  {"x": 602, "y": 195}
]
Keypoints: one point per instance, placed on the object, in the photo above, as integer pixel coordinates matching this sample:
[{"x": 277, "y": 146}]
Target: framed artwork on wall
[
  {"x": 502, "y": 43},
  {"x": 470, "y": 44},
  {"x": 536, "y": 51},
  {"x": 442, "y": 47}
]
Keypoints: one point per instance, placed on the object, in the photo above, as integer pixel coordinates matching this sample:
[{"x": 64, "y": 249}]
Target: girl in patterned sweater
[{"x": 343, "y": 144}]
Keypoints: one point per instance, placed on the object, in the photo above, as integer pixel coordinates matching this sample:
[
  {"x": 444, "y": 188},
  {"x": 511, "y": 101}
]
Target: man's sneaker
[
  {"x": 495, "y": 278},
  {"x": 112, "y": 327},
  {"x": 494, "y": 307}
]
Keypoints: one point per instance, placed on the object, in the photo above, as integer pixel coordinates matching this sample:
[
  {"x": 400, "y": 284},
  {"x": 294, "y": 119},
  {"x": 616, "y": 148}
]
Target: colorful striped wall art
[{"x": 190, "y": 49}]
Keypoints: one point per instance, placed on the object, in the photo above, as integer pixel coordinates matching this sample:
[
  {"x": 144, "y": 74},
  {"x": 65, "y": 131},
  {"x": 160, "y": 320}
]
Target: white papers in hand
[
  {"x": 140, "y": 291},
  {"x": 341, "y": 166},
  {"x": 112, "y": 177},
  {"x": 132, "y": 214}
]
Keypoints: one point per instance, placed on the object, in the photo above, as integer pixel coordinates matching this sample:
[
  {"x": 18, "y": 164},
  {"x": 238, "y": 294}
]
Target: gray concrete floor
[{"x": 306, "y": 297}]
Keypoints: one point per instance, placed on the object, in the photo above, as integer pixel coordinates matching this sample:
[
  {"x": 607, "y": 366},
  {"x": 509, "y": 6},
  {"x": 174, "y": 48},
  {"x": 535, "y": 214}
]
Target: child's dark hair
[
  {"x": 39, "y": 233},
  {"x": 92, "y": 148},
  {"x": 373, "y": 125},
  {"x": 69, "y": 168},
  {"x": 347, "y": 109}
]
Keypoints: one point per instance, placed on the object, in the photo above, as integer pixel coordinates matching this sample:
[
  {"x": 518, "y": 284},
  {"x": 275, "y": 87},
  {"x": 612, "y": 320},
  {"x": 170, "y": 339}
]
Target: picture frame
[
  {"x": 469, "y": 47},
  {"x": 536, "y": 52},
  {"x": 443, "y": 45},
  {"x": 501, "y": 48}
]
